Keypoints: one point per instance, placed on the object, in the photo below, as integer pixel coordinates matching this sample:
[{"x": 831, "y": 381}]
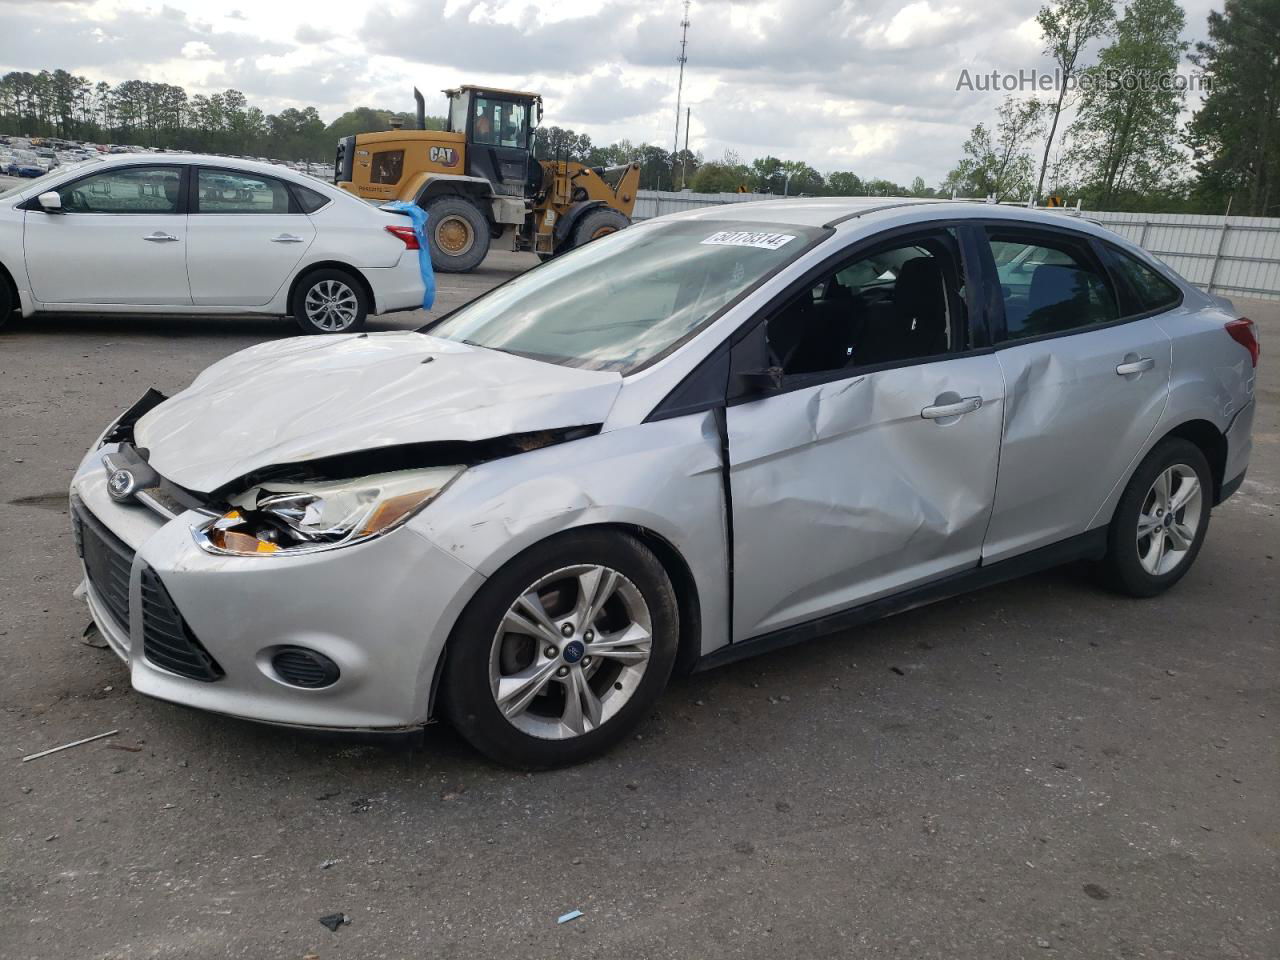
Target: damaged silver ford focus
[{"x": 702, "y": 437}]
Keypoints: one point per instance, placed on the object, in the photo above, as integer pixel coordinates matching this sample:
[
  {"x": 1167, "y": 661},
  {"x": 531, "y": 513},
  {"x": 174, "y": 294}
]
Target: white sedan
[{"x": 148, "y": 233}]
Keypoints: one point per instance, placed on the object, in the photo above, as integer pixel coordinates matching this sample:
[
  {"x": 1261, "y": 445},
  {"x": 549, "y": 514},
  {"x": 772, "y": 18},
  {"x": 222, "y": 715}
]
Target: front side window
[
  {"x": 227, "y": 191},
  {"x": 1049, "y": 283},
  {"x": 623, "y": 300},
  {"x": 1142, "y": 289},
  {"x": 500, "y": 123},
  {"x": 125, "y": 190},
  {"x": 386, "y": 167},
  {"x": 898, "y": 303}
]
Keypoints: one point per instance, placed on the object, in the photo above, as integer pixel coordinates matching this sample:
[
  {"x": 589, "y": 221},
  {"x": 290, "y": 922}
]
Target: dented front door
[{"x": 854, "y": 489}]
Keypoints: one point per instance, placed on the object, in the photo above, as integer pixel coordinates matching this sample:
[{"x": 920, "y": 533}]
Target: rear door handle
[
  {"x": 1135, "y": 366},
  {"x": 943, "y": 410},
  {"x": 160, "y": 237},
  {"x": 286, "y": 238}
]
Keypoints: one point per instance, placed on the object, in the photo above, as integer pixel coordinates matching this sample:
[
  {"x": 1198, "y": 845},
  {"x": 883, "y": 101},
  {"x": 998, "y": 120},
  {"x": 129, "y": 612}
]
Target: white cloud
[{"x": 867, "y": 85}]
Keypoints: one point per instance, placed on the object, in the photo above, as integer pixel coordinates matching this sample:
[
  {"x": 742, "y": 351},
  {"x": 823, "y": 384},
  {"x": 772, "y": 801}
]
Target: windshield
[
  {"x": 620, "y": 301},
  {"x": 56, "y": 174}
]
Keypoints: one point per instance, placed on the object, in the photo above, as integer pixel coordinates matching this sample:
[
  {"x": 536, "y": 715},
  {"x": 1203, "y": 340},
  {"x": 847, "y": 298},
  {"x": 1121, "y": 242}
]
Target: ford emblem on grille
[{"x": 121, "y": 485}]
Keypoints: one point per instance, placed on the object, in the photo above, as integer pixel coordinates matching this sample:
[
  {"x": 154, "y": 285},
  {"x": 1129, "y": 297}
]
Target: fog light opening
[{"x": 300, "y": 667}]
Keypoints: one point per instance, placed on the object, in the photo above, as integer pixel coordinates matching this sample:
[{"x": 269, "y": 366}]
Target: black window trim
[
  {"x": 719, "y": 390},
  {"x": 1095, "y": 246},
  {"x": 180, "y": 208},
  {"x": 194, "y": 200},
  {"x": 1107, "y": 252}
]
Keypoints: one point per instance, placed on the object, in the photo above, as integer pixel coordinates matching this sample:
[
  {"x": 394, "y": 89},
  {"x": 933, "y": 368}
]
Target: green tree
[
  {"x": 1125, "y": 138},
  {"x": 1236, "y": 134},
  {"x": 844, "y": 184},
  {"x": 1067, "y": 27},
  {"x": 998, "y": 162}
]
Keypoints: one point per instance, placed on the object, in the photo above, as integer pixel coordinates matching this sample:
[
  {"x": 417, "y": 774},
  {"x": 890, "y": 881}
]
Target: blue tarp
[{"x": 419, "y": 218}]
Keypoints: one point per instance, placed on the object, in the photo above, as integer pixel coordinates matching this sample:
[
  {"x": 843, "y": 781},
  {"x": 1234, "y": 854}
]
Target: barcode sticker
[{"x": 746, "y": 238}]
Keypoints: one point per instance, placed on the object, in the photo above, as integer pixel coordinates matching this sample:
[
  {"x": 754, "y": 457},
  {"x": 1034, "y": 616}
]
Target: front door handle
[
  {"x": 160, "y": 237},
  {"x": 286, "y": 238},
  {"x": 941, "y": 411},
  {"x": 1141, "y": 365}
]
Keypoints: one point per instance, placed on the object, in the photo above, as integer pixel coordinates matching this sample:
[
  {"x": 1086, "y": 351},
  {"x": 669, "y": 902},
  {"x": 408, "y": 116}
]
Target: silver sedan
[{"x": 705, "y": 436}]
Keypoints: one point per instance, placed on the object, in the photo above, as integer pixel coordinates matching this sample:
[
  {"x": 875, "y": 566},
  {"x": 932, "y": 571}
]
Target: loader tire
[
  {"x": 597, "y": 224},
  {"x": 457, "y": 234}
]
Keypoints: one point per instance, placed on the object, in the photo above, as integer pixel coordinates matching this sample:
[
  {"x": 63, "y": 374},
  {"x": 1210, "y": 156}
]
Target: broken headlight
[{"x": 291, "y": 518}]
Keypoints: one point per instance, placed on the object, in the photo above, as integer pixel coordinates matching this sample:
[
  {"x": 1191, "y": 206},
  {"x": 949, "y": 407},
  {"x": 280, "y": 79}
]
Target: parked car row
[
  {"x": 702, "y": 437},
  {"x": 151, "y": 233},
  {"x": 61, "y": 152}
]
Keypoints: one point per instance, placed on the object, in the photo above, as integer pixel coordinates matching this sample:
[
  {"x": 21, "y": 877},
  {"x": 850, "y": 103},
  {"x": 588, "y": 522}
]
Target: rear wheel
[
  {"x": 1161, "y": 520},
  {"x": 330, "y": 301},
  {"x": 598, "y": 223},
  {"x": 8, "y": 305},
  {"x": 457, "y": 234},
  {"x": 563, "y": 651}
]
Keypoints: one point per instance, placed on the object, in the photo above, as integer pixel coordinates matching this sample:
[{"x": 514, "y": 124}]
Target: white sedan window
[{"x": 125, "y": 190}]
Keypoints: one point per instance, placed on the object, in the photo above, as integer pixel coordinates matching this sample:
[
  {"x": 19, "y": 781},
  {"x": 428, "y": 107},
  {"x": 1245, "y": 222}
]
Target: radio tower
[{"x": 682, "y": 60}]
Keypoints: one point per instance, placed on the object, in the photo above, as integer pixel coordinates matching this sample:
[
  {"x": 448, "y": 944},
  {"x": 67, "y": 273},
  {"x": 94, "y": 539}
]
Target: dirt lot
[{"x": 1040, "y": 769}]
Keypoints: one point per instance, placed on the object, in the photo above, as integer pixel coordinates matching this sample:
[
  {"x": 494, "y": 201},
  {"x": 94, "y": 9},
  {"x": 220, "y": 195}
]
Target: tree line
[
  {"x": 141, "y": 113},
  {"x": 1124, "y": 148}
]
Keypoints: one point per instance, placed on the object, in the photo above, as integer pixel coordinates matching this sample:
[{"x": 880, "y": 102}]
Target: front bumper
[{"x": 381, "y": 610}]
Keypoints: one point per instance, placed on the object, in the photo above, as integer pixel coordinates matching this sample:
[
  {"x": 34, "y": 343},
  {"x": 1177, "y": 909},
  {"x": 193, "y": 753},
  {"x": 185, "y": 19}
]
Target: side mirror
[
  {"x": 762, "y": 381},
  {"x": 50, "y": 202}
]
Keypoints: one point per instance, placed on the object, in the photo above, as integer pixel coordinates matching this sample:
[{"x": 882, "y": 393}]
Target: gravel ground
[{"x": 1038, "y": 769}]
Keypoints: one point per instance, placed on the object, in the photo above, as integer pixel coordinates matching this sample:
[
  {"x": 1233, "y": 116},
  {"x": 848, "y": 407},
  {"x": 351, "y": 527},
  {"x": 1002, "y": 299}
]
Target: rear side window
[
  {"x": 225, "y": 191},
  {"x": 1049, "y": 284},
  {"x": 1142, "y": 290},
  {"x": 386, "y": 167},
  {"x": 309, "y": 200}
]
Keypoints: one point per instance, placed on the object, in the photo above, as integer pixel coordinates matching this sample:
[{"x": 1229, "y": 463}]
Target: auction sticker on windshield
[{"x": 746, "y": 238}]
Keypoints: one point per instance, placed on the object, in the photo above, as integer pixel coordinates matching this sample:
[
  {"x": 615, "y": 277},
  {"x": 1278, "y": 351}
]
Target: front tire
[
  {"x": 330, "y": 301},
  {"x": 457, "y": 234},
  {"x": 1161, "y": 520},
  {"x": 563, "y": 651},
  {"x": 598, "y": 223}
]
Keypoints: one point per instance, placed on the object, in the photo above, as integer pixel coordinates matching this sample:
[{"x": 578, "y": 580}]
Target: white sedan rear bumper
[{"x": 396, "y": 288}]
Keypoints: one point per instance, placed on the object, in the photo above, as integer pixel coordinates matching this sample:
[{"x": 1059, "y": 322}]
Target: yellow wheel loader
[{"x": 479, "y": 182}]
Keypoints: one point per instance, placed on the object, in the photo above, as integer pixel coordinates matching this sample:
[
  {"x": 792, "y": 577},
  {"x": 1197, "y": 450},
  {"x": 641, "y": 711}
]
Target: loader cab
[{"x": 498, "y": 125}]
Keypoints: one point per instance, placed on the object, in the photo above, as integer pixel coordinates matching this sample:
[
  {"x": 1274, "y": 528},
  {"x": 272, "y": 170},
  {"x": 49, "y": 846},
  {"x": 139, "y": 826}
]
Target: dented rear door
[
  {"x": 1074, "y": 423},
  {"x": 844, "y": 492}
]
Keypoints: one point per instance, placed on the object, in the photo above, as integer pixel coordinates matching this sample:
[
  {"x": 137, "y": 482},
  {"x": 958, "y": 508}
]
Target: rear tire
[
  {"x": 563, "y": 651},
  {"x": 8, "y": 304},
  {"x": 598, "y": 223},
  {"x": 330, "y": 301},
  {"x": 457, "y": 234},
  {"x": 1161, "y": 520}
]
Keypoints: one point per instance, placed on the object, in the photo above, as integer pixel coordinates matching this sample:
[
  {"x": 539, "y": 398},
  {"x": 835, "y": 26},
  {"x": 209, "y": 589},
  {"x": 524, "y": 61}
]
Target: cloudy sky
[{"x": 868, "y": 86}]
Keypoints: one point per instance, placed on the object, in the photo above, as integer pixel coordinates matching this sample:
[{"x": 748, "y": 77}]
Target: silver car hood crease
[{"x": 301, "y": 399}]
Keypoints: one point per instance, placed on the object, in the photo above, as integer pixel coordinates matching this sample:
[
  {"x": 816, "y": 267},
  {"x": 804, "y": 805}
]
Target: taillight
[
  {"x": 1244, "y": 332},
  {"x": 406, "y": 234}
]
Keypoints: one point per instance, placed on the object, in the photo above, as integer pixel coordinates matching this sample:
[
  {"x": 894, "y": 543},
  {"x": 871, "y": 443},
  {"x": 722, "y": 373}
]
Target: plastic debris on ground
[
  {"x": 334, "y": 920},
  {"x": 571, "y": 915}
]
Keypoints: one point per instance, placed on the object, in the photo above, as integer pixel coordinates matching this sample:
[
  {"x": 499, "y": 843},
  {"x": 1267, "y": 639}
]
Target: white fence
[{"x": 1232, "y": 256}]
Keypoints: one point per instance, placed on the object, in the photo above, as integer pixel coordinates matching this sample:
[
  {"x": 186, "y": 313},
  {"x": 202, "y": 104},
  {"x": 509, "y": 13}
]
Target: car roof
[
  {"x": 862, "y": 212},
  {"x": 203, "y": 159}
]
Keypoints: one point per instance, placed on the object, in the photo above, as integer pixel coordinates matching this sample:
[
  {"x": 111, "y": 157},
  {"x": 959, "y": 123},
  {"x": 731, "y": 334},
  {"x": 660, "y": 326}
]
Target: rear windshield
[{"x": 622, "y": 300}]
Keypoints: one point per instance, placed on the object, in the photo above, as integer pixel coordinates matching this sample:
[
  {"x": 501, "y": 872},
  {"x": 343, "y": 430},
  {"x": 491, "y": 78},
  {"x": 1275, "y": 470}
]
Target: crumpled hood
[{"x": 309, "y": 397}]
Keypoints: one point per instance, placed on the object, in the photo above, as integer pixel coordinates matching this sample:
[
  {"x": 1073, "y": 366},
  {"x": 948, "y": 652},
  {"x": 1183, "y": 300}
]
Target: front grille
[
  {"x": 107, "y": 561},
  {"x": 167, "y": 641}
]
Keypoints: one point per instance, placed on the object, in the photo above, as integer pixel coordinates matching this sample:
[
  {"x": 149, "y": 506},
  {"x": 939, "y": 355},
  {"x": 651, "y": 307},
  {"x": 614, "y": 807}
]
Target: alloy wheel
[
  {"x": 570, "y": 652},
  {"x": 331, "y": 305},
  {"x": 1168, "y": 519}
]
